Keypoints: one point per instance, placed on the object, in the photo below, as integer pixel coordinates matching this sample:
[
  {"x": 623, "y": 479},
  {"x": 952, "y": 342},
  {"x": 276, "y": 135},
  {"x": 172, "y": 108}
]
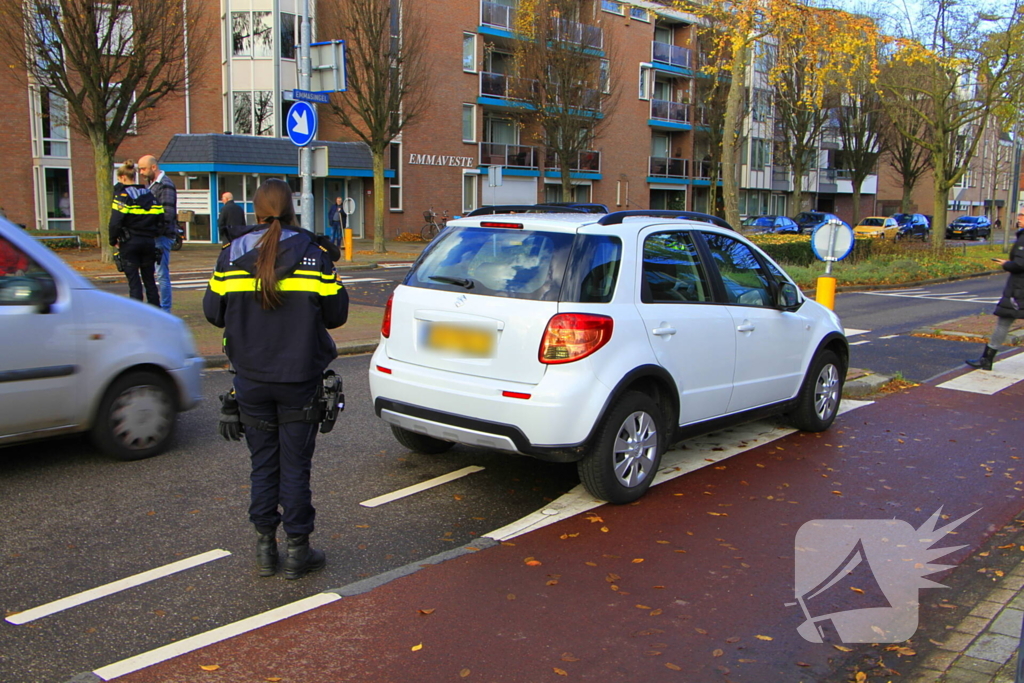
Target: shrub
[{"x": 89, "y": 238}]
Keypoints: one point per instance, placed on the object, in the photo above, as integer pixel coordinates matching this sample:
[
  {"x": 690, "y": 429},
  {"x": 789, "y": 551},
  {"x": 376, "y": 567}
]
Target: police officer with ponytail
[{"x": 275, "y": 293}]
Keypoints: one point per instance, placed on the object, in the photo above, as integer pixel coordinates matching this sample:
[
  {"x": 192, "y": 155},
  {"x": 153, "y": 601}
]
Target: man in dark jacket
[
  {"x": 166, "y": 194},
  {"x": 231, "y": 221}
]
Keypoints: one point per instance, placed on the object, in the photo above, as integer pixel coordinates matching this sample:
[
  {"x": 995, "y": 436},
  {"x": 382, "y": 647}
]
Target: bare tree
[
  {"x": 388, "y": 86},
  {"x": 561, "y": 72},
  {"x": 111, "y": 62},
  {"x": 711, "y": 91}
]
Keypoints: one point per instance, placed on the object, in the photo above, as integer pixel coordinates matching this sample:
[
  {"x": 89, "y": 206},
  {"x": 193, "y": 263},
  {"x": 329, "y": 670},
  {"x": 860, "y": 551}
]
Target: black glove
[{"x": 230, "y": 425}]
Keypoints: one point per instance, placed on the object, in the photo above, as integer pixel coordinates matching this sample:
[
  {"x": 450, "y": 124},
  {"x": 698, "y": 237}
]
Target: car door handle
[
  {"x": 746, "y": 327},
  {"x": 663, "y": 331}
]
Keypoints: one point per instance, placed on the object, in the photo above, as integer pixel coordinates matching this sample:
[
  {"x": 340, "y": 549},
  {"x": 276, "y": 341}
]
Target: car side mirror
[
  {"x": 788, "y": 297},
  {"x": 28, "y": 291}
]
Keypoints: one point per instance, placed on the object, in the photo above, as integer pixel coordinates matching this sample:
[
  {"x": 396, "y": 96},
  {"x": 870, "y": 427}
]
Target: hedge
[{"x": 89, "y": 238}]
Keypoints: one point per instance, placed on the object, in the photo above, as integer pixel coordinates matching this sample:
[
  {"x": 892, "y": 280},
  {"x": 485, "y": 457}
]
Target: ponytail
[{"x": 267, "y": 293}]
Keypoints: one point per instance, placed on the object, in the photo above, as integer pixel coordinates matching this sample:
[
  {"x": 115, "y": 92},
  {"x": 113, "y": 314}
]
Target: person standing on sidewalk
[
  {"x": 136, "y": 219},
  {"x": 167, "y": 195},
  {"x": 275, "y": 293},
  {"x": 336, "y": 219},
  {"x": 231, "y": 221},
  {"x": 1010, "y": 307}
]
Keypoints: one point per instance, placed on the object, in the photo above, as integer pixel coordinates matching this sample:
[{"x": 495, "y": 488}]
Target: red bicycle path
[{"x": 687, "y": 584}]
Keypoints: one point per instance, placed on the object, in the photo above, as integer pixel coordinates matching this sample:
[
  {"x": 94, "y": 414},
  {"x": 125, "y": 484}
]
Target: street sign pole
[{"x": 305, "y": 154}]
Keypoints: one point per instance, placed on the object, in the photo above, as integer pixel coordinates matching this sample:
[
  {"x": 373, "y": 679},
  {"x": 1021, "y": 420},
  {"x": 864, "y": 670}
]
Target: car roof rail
[
  {"x": 616, "y": 217},
  {"x": 521, "y": 208}
]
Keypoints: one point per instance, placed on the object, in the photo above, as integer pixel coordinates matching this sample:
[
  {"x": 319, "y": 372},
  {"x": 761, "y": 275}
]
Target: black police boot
[
  {"x": 985, "y": 362},
  {"x": 302, "y": 559},
  {"x": 266, "y": 551}
]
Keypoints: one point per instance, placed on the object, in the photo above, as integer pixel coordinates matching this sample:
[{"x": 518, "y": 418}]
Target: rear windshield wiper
[{"x": 460, "y": 281}]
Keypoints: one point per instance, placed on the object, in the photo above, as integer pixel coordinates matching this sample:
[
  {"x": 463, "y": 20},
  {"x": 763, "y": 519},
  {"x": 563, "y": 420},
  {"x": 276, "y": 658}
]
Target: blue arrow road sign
[{"x": 301, "y": 124}]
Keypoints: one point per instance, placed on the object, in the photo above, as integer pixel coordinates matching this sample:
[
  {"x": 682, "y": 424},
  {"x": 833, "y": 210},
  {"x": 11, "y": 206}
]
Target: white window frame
[
  {"x": 473, "y": 126},
  {"x": 475, "y": 203},
  {"x": 469, "y": 38},
  {"x": 646, "y": 81},
  {"x": 640, "y": 14},
  {"x": 605, "y": 72},
  {"x": 396, "y": 182},
  {"x": 621, "y": 11},
  {"x": 121, "y": 36},
  {"x": 133, "y": 128}
]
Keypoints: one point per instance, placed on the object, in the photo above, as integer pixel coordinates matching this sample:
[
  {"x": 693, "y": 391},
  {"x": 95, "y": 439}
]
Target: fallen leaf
[
  {"x": 905, "y": 652},
  {"x": 764, "y": 637},
  {"x": 674, "y": 667},
  {"x": 842, "y": 648},
  {"x": 362, "y": 526},
  {"x": 999, "y": 572},
  {"x": 612, "y": 578},
  {"x": 594, "y": 518},
  {"x": 427, "y": 611},
  {"x": 569, "y": 657},
  {"x": 732, "y": 639},
  {"x": 209, "y": 667},
  {"x": 274, "y": 679},
  {"x": 642, "y": 607},
  {"x": 746, "y": 661},
  {"x": 560, "y": 672},
  {"x": 803, "y": 664},
  {"x": 659, "y": 587},
  {"x": 638, "y": 560},
  {"x": 464, "y": 673},
  {"x": 662, "y": 542},
  {"x": 417, "y": 648},
  {"x": 457, "y": 497},
  {"x": 655, "y": 612},
  {"x": 510, "y": 596},
  {"x": 552, "y": 582},
  {"x": 533, "y": 563},
  {"x": 838, "y": 493},
  {"x": 590, "y": 564},
  {"x": 857, "y": 590},
  {"x": 701, "y": 631},
  {"x": 718, "y": 652},
  {"x": 861, "y": 677},
  {"x": 604, "y": 529}
]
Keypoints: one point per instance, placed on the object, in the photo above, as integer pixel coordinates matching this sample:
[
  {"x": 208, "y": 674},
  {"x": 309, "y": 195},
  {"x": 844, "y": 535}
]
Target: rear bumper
[{"x": 189, "y": 383}]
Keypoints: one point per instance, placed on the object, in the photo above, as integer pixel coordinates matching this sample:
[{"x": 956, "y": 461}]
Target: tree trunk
[
  {"x": 379, "y": 190},
  {"x": 103, "y": 165},
  {"x": 908, "y": 191},
  {"x": 733, "y": 105},
  {"x": 940, "y": 202},
  {"x": 798, "y": 188},
  {"x": 856, "y": 199},
  {"x": 565, "y": 172}
]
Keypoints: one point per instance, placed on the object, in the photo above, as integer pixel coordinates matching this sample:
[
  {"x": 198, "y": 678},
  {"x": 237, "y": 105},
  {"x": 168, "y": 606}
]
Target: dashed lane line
[
  {"x": 115, "y": 587},
  {"x": 852, "y": 332},
  {"x": 889, "y": 336},
  {"x": 186, "y": 645},
  {"x": 1004, "y": 374},
  {"x": 965, "y": 297},
  {"x": 858, "y": 343},
  {"x": 422, "y": 486}
]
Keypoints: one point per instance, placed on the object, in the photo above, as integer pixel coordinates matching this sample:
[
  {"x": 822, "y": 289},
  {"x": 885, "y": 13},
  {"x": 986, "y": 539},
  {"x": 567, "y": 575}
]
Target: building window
[
  {"x": 289, "y": 35},
  {"x": 469, "y": 52},
  {"x": 253, "y": 112},
  {"x": 252, "y": 34},
  {"x": 605, "y": 76},
  {"x": 118, "y": 38},
  {"x": 395, "y": 194},
  {"x": 57, "y": 186},
  {"x": 469, "y": 123},
  {"x": 760, "y": 153},
  {"x": 639, "y": 14},
  {"x": 469, "y": 185},
  {"x": 612, "y": 6},
  {"x": 762, "y": 105},
  {"x": 645, "y": 82},
  {"x": 114, "y": 94},
  {"x": 53, "y": 118}
]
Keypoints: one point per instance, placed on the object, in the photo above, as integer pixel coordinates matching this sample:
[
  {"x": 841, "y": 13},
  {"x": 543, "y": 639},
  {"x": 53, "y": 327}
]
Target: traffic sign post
[{"x": 832, "y": 241}]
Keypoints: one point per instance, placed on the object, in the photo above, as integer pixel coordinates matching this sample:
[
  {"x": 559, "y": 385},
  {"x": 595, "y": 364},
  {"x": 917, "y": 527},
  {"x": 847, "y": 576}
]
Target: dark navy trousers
[{"x": 281, "y": 458}]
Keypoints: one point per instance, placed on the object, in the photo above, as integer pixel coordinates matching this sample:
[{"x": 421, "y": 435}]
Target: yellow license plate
[{"x": 460, "y": 340}]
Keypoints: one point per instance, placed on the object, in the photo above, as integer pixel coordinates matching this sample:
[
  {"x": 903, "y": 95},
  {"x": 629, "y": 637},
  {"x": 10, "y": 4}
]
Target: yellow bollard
[
  {"x": 826, "y": 292},
  {"x": 348, "y": 244}
]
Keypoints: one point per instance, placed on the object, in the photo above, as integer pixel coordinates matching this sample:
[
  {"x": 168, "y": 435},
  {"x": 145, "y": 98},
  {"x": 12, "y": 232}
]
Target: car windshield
[
  {"x": 760, "y": 222},
  {"x": 970, "y": 219},
  {"x": 810, "y": 217},
  {"x": 518, "y": 264},
  {"x": 903, "y": 218},
  {"x": 873, "y": 222}
]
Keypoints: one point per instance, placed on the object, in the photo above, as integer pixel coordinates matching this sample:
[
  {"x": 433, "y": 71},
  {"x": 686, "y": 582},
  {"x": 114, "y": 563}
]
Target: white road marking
[
  {"x": 394, "y": 265},
  {"x": 699, "y": 452},
  {"x": 160, "y": 654},
  {"x": 889, "y": 336},
  {"x": 858, "y": 343},
  {"x": 115, "y": 587},
  {"x": 852, "y": 332},
  {"x": 1004, "y": 374},
  {"x": 422, "y": 486},
  {"x": 964, "y": 297}
]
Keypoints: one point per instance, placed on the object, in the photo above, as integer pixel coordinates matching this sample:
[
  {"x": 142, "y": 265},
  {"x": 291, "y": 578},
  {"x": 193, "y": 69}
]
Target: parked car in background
[
  {"x": 882, "y": 227},
  {"x": 776, "y": 224},
  {"x": 913, "y": 225},
  {"x": 599, "y": 340},
  {"x": 810, "y": 220},
  {"x": 77, "y": 359},
  {"x": 588, "y": 207},
  {"x": 969, "y": 228}
]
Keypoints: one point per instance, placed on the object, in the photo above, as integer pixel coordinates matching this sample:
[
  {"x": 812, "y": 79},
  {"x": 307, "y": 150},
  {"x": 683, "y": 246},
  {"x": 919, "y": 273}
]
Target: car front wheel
[
  {"x": 626, "y": 451},
  {"x": 420, "y": 443},
  {"x": 136, "y": 416},
  {"x": 818, "y": 402}
]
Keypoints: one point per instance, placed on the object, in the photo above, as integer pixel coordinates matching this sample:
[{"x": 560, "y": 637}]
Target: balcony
[
  {"x": 497, "y": 16},
  {"x": 664, "y": 53},
  {"x": 669, "y": 167},
  {"x": 674, "y": 112},
  {"x": 706, "y": 169},
  {"x": 511, "y": 156},
  {"x": 579, "y": 34},
  {"x": 588, "y": 161},
  {"x": 502, "y": 86}
]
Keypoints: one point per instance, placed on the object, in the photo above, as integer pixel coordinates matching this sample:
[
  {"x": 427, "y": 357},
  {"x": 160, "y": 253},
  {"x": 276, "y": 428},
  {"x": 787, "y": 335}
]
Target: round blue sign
[
  {"x": 301, "y": 124},
  {"x": 832, "y": 241}
]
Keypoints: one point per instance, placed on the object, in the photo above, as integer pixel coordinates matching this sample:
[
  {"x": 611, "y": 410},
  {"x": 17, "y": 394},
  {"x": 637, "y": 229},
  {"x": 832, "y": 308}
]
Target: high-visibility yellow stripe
[
  {"x": 127, "y": 208},
  {"x": 290, "y": 284}
]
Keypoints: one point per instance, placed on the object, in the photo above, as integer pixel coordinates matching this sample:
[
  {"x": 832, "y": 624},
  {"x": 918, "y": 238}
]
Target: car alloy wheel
[
  {"x": 636, "y": 449},
  {"x": 826, "y": 392}
]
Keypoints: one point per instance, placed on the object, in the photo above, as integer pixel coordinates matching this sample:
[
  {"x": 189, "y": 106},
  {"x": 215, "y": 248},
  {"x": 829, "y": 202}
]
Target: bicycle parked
[{"x": 432, "y": 227}]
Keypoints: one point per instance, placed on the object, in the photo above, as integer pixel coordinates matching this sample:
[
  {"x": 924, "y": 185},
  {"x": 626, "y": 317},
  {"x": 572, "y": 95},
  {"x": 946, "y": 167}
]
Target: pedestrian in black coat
[
  {"x": 1010, "y": 307},
  {"x": 231, "y": 221},
  {"x": 136, "y": 220}
]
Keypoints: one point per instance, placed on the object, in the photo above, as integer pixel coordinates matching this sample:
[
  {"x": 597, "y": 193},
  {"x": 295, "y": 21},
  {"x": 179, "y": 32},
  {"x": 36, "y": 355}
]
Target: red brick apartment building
[{"x": 226, "y": 130}]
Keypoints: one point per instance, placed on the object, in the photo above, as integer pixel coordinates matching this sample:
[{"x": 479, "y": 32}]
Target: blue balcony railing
[
  {"x": 663, "y": 110},
  {"x": 672, "y": 55},
  {"x": 513, "y": 156}
]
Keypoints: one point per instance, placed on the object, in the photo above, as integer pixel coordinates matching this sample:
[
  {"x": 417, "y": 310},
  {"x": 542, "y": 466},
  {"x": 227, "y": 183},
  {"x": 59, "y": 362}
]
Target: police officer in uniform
[
  {"x": 275, "y": 293},
  {"x": 136, "y": 219}
]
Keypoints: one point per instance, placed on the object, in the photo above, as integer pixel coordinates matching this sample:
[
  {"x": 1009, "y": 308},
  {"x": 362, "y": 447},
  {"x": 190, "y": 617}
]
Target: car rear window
[
  {"x": 503, "y": 262},
  {"x": 873, "y": 222},
  {"x": 594, "y": 270}
]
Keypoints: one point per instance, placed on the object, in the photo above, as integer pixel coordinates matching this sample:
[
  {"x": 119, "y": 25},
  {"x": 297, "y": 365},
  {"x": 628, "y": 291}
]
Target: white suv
[{"x": 600, "y": 340}]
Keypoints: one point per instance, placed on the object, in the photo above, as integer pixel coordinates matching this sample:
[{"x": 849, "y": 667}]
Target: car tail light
[
  {"x": 496, "y": 224},
  {"x": 385, "y": 324},
  {"x": 381, "y": 368},
  {"x": 515, "y": 394},
  {"x": 572, "y": 336}
]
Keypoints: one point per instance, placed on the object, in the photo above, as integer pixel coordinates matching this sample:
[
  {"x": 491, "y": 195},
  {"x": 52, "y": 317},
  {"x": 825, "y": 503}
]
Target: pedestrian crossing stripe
[{"x": 1004, "y": 374}]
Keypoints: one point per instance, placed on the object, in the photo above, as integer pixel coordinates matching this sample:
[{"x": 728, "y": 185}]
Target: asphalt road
[{"x": 889, "y": 317}]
